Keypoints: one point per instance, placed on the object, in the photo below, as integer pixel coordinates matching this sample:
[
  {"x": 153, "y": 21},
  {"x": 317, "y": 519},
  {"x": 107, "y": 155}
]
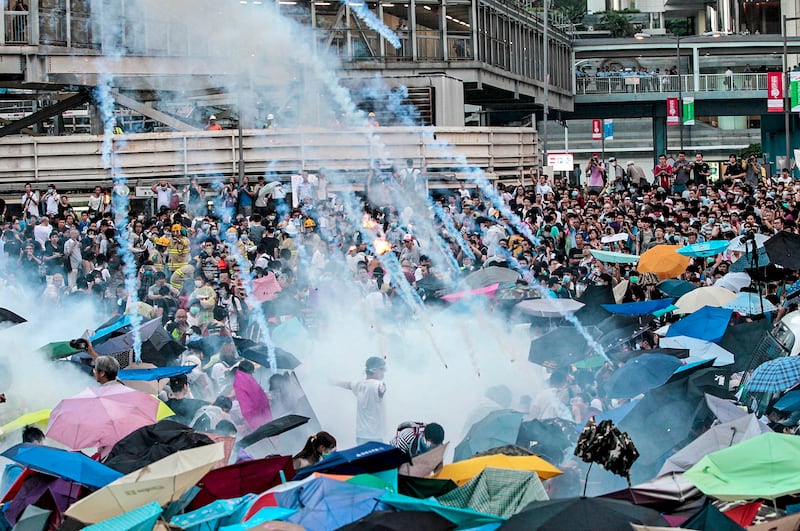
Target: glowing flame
[
  {"x": 369, "y": 223},
  {"x": 381, "y": 246}
]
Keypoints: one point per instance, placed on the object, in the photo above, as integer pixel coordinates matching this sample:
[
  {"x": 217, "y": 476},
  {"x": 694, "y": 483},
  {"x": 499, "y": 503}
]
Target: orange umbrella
[{"x": 664, "y": 261}]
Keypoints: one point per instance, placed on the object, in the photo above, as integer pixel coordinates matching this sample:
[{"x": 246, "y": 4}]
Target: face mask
[
  {"x": 214, "y": 232},
  {"x": 205, "y": 227},
  {"x": 271, "y": 218},
  {"x": 198, "y": 283},
  {"x": 194, "y": 310},
  {"x": 632, "y": 190},
  {"x": 566, "y": 280}
]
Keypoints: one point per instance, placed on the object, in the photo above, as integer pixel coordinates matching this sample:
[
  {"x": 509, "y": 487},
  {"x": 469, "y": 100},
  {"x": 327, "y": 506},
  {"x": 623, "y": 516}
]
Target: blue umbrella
[
  {"x": 325, "y": 503},
  {"x": 363, "y": 459},
  {"x": 747, "y": 303},
  {"x": 639, "y": 308},
  {"x": 775, "y": 375},
  {"x": 789, "y": 402},
  {"x": 69, "y": 466},
  {"x": 709, "y": 248},
  {"x": 746, "y": 261},
  {"x": 158, "y": 373},
  {"x": 264, "y": 515},
  {"x": 213, "y": 515},
  {"x": 674, "y": 287},
  {"x": 115, "y": 325},
  {"x": 708, "y": 323},
  {"x": 140, "y": 519},
  {"x": 641, "y": 374}
]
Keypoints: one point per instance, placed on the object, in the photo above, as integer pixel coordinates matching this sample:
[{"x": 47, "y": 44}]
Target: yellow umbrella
[
  {"x": 38, "y": 418},
  {"x": 164, "y": 481},
  {"x": 705, "y": 296},
  {"x": 664, "y": 261},
  {"x": 463, "y": 471},
  {"x": 163, "y": 411}
]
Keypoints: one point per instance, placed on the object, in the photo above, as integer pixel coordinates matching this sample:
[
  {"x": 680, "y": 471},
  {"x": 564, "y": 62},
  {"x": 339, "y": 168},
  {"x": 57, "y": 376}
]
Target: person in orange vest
[{"x": 212, "y": 124}]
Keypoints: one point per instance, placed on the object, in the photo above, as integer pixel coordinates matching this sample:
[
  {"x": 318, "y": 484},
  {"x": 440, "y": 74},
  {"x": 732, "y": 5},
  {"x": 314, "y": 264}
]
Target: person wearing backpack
[{"x": 416, "y": 438}]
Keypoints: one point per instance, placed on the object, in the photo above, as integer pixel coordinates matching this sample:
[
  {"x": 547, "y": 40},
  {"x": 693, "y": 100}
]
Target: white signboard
[{"x": 560, "y": 161}]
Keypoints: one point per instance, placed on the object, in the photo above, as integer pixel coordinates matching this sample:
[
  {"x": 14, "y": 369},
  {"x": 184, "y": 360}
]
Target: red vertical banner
[
  {"x": 597, "y": 130},
  {"x": 774, "y": 92},
  {"x": 673, "y": 118}
]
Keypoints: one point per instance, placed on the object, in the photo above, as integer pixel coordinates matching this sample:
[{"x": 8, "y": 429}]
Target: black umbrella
[
  {"x": 401, "y": 521},
  {"x": 580, "y": 514},
  {"x": 783, "y": 249},
  {"x": 7, "y": 316},
  {"x": 422, "y": 488},
  {"x": 741, "y": 340},
  {"x": 151, "y": 443},
  {"x": 158, "y": 347},
  {"x": 558, "y": 348},
  {"x": 594, "y": 297},
  {"x": 545, "y": 438},
  {"x": 273, "y": 428},
  {"x": 259, "y": 353},
  {"x": 498, "y": 428}
]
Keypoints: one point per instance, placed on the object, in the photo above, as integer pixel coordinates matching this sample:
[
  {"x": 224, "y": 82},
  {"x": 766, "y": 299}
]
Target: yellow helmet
[
  {"x": 162, "y": 241},
  {"x": 309, "y": 223},
  {"x": 177, "y": 227}
]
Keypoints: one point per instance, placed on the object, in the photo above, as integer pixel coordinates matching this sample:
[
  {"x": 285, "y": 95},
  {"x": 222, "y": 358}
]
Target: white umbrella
[
  {"x": 734, "y": 281},
  {"x": 705, "y": 296},
  {"x": 549, "y": 307},
  {"x": 750, "y": 304},
  {"x": 737, "y": 245},
  {"x": 268, "y": 188},
  {"x": 699, "y": 349}
]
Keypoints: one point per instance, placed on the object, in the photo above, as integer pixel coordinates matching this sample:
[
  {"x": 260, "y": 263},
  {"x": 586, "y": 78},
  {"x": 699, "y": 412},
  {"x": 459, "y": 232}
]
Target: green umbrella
[
  {"x": 612, "y": 257},
  {"x": 763, "y": 467},
  {"x": 58, "y": 349},
  {"x": 497, "y": 491},
  {"x": 463, "y": 518}
]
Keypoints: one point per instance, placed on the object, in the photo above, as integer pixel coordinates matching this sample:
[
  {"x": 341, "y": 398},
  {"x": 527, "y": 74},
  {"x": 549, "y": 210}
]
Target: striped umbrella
[{"x": 775, "y": 375}]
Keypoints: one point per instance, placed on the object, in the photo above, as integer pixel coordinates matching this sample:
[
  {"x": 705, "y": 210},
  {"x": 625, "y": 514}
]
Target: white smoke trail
[{"x": 362, "y": 11}]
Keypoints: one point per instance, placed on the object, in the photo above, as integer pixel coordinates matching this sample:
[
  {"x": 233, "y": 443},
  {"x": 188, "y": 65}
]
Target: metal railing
[
  {"x": 616, "y": 83},
  {"x": 16, "y": 28}
]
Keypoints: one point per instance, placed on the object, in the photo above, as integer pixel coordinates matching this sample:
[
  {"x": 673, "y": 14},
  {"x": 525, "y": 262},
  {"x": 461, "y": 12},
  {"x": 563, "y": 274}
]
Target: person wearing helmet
[
  {"x": 370, "y": 401},
  {"x": 178, "y": 248},
  {"x": 158, "y": 255},
  {"x": 212, "y": 124}
]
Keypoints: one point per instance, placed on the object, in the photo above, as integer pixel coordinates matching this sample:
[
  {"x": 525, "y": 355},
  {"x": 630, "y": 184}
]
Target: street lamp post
[
  {"x": 680, "y": 90},
  {"x": 545, "y": 60},
  {"x": 786, "y": 84}
]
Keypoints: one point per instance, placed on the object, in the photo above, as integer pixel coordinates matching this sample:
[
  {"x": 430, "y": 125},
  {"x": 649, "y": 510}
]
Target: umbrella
[
  {"x": 463, "y": 471},
  {"x": 44, "y": 491},
  {"x": 549, "y": 307},
  {"x": 574, "y": 514},
  {"x": 788, "y": 402},
  {"x": 747, "y": 303},
  {"x": 425, "y": 464},
  {"x": 152, "y": 443},
  {"x": 252, "y": 399},
  {"x": 664, "y": 261},
  {"x": 666, "y": 494},
  {"x": 491, "y": 275},
  {"x": 783, "y": 249},
  {"x": 39, "y": 418},
  {"x": 33, "y": 518},
  {"x": 717, "y": 437},
  {"x": 704, "y": 249},
  {"x": 751, "y": 262},
  {"x": 158, "y": 373},
  {"x": 243, "y": 478},
  {"x": 699, "y": 350},
  {"x": 164, "y": 481},
  {"x": 709, "y": 517},
  {"x": 264, "y": 515},
  {"x": 400, "y": 521},
  {"x": 158, "y": 347},
  {"x": 266, "y": 288},
  {"x": 423, "y": 487},
  {"x": 708, "y": 323},
  {"x": 363, "y": 459},
  {"x": 674, "y": 287},
  {"x": 547, "y": 437},
  {"x": 141, "y": 518},
  {"x": 111, "y": 327},
  {"x": 740, "y": 340},
  {"x": 462, "y": 518},
  {"x": 641, "y": 374},
  {"x": 762, "y": 467},
  {"x": 497, "y": 491},
  {"x": 488, "y": 291},
  {"x": 249, "y": 349},
  {"x": 734, "y": 282},
  {"x": 558, "y": 348},
  {"x": 594, "y": 297},
  {"x": 101, "y": 416},
  {"x": 211, "y": 516},
  {"x": 705, "y": 296},
  {"x": 742, "y": 243},
  {"x": 775, "y": 375},
  {"x": 639, "y": 308},
  {"x": 325, "y": 503},
  {"x": 611, "y": 257},
  {"x": 58, "y": 349},
  {"x": 273, "y": 428},
  {"x": 70, "y": 466},
  {"x": 495, "y": 429}
]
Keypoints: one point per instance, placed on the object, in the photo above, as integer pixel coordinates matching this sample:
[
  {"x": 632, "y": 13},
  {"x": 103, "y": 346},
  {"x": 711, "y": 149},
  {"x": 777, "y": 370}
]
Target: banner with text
[
  {"x": 688, "y": 110},
  {"x": 774, "y": 92},
  {"x": 794, "y": 91},
  {"x": 672, "y": 112},
  {"x": 597, "y": 129}
]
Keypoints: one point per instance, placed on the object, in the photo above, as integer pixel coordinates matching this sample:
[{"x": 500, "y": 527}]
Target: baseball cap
[
  {"x": 612, "y": 159},
  {"x": 212, "y": 117}
]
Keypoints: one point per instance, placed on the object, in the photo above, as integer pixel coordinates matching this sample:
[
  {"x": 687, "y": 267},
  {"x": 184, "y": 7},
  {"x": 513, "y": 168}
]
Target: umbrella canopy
[
  {"x": 33, "y": 518},
  {"x": 775, "y": 375},
  {"x": 325, "y": 503},
  {"x": 495, "y": 429},
  {"x": 101, "y": 416},
  {"x": 488, "y": 291},
  {"x": 740, "y": 339},
  {"x": 639, "y": 308},
  {"x": 163, "y": 481},
  {"x": 273, "y": 428},
  {"x": 747, "y": 303},
  {"x": 641, "y": 374},
  {"x": 699, "y": 350},
  {"x": 717, "y": 437},
  {"x": 152, "y": 443},
  {"x": 708, "y": 323},
  {"x": 157, "y": 373},
  {"x": 788, "y": 402},
  {"x": 705, "y": 296},
  {"x": 497, "y": 491},
  {"x": 426, "y": 463},
  {"x": 664, "y": 261},
  {"x": 573, "y": 514},
  {"x": 490, "y": 275},
  {"x": 39, "y": 418},
  {"x": 709, "y": 517},
  {"x": 611, "y": 257},
  {"x": 158, "y": 347},
  {"x": 248, "y": 349},
  {"x": 594, "y": 297},
  {"x": 734, "y": 282},
  {"x": 252, "y": 399},
  {"x": 144, "y": 517},
  {"x": 400, "y": 521},
  {"x": 558, "y": 348},
  {"x": 462, "y": 518},
  {"x": 763, "y": 467},
  {"x": 674, "y": 287},
  {"x": 783, "y": 249},
  {"x": 363, "y": 459},
  {"x": 549, "y": 307},
  {"x": 463, "y": 471},
  {"x": 547, "y": 436},
  {"x": 115, "y": 326},
  {"x": 266, "y": 288},
  {"x": 58, "y": 349},
  {"x": 70, "y": 466},
  {"x": 741, "y": 244},
  {"x": 704, "y": 249},
  {"x": 213, "y": 515},
  {"x": 243, "y": 478},
  {"x": 750, "y": 261}
]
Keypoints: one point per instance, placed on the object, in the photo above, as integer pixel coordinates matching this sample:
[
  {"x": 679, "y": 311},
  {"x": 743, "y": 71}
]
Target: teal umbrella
[
  {"x": 612, "y": 257},
  {"x": 463, "y": 518},
  {"x": 211, "y": 516},
  {"x": 141, "y": 519},
  {"x": 675, "y": 288},
  {"x": 709, "y": 248}
]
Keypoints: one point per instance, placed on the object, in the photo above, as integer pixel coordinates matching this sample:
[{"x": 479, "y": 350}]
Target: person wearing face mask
[
  {"x": 416, "y": 438},
  {"x": 178, "y": 248},
  {"x": 317, "y": 447},
  {"x": 207, "y": 299}
]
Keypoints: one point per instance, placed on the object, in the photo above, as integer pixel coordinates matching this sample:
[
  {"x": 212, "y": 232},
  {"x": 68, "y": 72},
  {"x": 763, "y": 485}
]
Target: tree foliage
[{"x": 618, "y": 24}]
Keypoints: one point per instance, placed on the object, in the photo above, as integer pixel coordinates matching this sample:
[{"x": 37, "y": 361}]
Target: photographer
[
  {"x": 682, "y": 172},
  {"x": 596, "y": 174},
  {"x": 752, "y": 172},
  {"x": 701, "y": 170},
  {"x": 663, "y": 173}
]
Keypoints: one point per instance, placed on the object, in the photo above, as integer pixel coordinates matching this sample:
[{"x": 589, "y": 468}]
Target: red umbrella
[
  {"x": 252, "y": 399},
  {"x": 242, "y": 478}
]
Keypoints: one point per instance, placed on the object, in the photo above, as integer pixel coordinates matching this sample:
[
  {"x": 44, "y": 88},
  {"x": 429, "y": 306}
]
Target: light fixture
[
  {"x": 322, "y": 3},
  {"x": 641, "y": 36},
  {"x": 427, "y": 7}
]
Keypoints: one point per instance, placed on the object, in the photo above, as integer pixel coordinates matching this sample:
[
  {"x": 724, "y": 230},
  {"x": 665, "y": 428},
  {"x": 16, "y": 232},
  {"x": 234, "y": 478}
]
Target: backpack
[{"x": 418, "y": 428}]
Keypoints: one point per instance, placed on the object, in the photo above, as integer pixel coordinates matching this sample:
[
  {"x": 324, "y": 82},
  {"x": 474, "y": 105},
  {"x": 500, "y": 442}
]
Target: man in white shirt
[
  {"x": 41, "y": 232},
  {"x": 51, "y": 199},
  {"x": 370, "y": 403},
  {"x": 30, "y": 202},
  {"x": 95, "y": 202},
  {"x": 163, "y": 191}
]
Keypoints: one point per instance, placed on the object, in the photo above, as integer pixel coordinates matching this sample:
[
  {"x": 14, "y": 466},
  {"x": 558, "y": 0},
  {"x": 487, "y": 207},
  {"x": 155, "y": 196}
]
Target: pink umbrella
[
  {"x": 252, "y": 400},
  {"x": 99, "y": 417},
  {"x": 488, "y": 290},
  {"x": 266, "y": 288}
]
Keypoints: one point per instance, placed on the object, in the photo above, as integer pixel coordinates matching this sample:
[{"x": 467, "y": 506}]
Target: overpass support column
[{"x": 659, "y": 135}]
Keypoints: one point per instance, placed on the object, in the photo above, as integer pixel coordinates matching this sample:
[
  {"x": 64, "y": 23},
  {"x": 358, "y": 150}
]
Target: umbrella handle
[{"x": 586, "y": 478}]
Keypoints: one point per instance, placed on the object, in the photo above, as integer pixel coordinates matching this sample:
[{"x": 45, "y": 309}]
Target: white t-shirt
[
  {"x": 164, "y": 196},
  {"x": 41, "y": 233},
  {"x": 31, "y": 205},
  {"x": 51, "y": 203},
  {"x": 370, "y": 409}
]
